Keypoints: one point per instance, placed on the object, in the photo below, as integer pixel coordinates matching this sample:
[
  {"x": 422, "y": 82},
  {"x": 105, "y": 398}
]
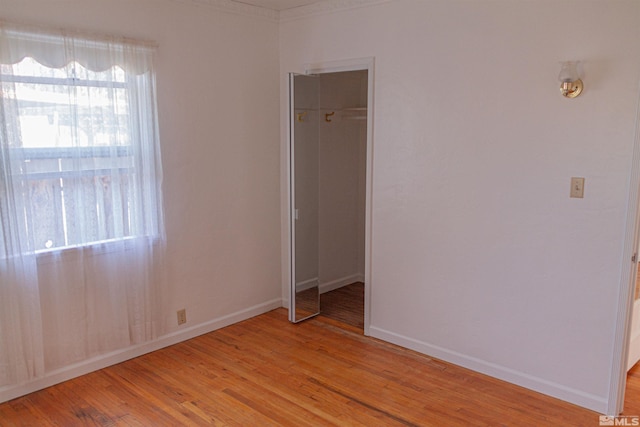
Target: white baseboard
[
  {"x": 577, "y": 397},
  {"x": 306, "y": 284},
  {"x": 105, "y": 360},
  {"x": 338, "y": 283}
]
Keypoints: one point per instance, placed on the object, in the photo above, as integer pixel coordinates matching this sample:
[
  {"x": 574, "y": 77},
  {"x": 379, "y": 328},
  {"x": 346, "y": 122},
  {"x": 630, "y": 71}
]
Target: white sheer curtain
[{"x": 81, "y": 224}]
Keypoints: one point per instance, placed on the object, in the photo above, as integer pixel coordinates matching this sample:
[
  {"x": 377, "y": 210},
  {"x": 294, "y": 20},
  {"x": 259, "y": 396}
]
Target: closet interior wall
[{"x": 342, "y": 174}]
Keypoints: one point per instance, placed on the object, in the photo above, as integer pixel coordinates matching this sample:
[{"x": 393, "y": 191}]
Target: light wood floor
[
  {"x": 345, "y": 304},
  {"x": 268, "y": 372}
]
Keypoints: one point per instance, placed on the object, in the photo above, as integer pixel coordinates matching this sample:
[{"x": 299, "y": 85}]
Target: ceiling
[{"x": 279, "y": 4}]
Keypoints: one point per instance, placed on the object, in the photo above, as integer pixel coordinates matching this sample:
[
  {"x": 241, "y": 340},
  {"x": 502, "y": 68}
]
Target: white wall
[
  {"x": 479, "y": 255},
  {"x": 217, "y": 79}
]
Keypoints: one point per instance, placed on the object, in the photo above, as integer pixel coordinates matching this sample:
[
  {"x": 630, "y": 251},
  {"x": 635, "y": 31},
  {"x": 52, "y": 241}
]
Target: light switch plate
[{"x": 577, "y": 188}]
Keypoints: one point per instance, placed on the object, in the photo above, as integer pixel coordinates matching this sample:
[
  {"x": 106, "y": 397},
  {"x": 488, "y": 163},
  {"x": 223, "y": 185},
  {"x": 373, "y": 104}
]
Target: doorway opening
[
  {"x": 626, "y": 354},
  {"x": 330, "y": 184}
]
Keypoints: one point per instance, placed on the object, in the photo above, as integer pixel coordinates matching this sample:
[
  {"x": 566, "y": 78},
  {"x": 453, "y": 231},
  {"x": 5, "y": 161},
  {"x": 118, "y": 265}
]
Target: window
[
  {"x": 81, "y": 226},
  {"x": 81, "y": 141}
]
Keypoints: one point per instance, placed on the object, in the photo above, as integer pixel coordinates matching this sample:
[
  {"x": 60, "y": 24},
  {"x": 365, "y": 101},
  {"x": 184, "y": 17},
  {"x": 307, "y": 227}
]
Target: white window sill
[{"x": 45, "y": 256}]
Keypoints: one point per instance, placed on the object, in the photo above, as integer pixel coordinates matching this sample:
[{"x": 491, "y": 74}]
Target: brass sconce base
[{"x": 571, "y": 89}]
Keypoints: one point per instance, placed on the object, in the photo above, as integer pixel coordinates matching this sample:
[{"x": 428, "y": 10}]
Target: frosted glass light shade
[{"x": 568, "y": 72}]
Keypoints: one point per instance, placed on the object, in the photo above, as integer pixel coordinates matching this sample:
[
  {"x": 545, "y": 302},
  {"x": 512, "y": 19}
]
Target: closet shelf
[
  {"x": 354, "y": 113},
  {"x": 349, "y": 113},
  {"x": 353, "y": 109}
]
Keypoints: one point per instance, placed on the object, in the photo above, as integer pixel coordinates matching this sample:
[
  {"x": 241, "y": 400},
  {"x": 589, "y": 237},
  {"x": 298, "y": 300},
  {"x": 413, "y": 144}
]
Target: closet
[{"x": 328, "y": 185}]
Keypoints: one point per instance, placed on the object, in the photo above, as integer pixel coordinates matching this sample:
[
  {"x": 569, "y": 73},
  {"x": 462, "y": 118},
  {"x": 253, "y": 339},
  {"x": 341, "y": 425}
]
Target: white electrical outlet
[
  {"x": 182, "y": 316},
  {"x": 577, "y": 188}
]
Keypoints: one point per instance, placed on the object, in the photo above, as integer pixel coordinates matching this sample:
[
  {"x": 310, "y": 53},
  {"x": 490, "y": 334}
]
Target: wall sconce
[{"x": 571, "y": 83}]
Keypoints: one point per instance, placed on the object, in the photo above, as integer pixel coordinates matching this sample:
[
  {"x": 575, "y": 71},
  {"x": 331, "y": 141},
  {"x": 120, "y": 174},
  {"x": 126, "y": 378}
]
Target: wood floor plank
[
  {"x": 345, "y": 304},
  {"x": 268, "y": 372}
]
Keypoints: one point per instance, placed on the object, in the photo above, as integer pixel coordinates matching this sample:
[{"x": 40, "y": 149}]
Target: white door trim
[{"x": 624, "y": 308}]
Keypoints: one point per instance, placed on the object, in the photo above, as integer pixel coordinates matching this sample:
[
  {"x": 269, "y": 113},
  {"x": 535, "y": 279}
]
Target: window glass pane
[{"x": 75, "y": 142}]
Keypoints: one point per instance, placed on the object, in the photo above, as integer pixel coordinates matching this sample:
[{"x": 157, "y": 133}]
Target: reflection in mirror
[
  {"x": 304, "y": 181},
  {"x": 307, "y": 303}
]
